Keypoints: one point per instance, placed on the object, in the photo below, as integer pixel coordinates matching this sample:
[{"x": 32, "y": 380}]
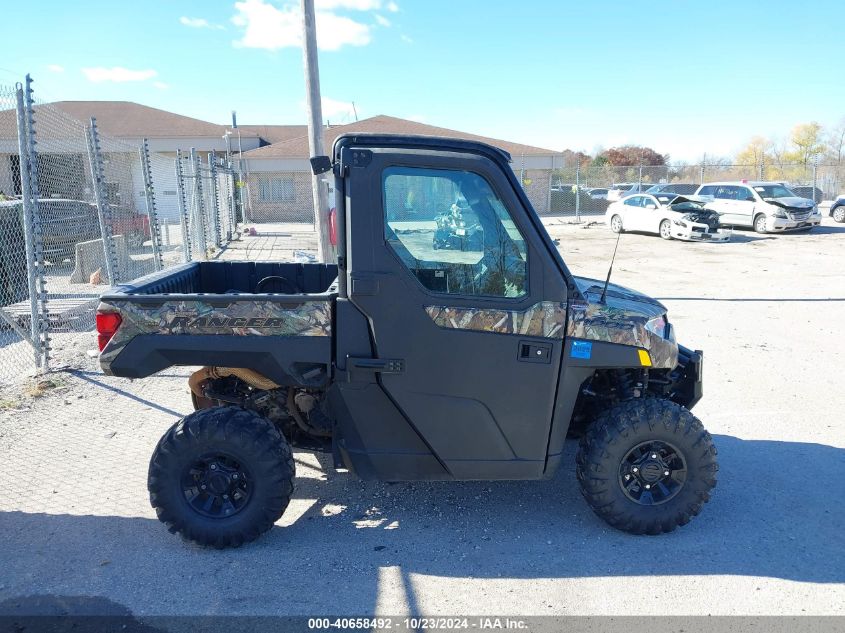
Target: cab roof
[{"x": 419, "y": 142}]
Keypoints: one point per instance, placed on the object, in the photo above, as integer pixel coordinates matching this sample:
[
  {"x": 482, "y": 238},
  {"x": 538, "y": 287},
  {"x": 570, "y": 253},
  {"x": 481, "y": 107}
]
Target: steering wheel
[{"x": 288, "y": 287}]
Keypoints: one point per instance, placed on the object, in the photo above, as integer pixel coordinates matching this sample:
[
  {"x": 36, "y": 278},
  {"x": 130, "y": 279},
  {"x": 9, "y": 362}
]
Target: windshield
[{"x": 774, "y": 191}]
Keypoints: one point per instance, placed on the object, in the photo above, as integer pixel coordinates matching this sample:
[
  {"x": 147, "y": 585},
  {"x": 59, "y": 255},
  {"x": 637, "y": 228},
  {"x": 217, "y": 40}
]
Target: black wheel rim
[
  {"x": 652, "y": 473},
  {"x": 217, "y": 486}
]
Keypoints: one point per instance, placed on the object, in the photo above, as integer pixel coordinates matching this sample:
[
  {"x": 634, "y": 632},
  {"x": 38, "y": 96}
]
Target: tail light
[{"x": 107, "y": 324}]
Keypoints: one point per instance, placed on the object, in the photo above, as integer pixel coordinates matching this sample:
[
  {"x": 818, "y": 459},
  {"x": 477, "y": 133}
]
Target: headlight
[
  {"x": 659, "y": 326},
  {"x": 680, "y": 223},
  {"x": 779, "y": 213}
]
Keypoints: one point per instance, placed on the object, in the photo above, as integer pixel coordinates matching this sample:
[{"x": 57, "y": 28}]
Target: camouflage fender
[{"x": 613, "y": 324}]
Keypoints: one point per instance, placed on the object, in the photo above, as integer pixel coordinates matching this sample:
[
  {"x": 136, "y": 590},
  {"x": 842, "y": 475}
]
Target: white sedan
[{"x": 667, "y": 215}]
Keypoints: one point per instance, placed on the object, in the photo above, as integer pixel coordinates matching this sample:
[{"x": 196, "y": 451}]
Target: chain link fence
[
  {"x": 587, "y": 190},
  {"x": 281, "y": 200},
  {"x": 81, "y": 211},
  {"x": 17, "y": 355}
]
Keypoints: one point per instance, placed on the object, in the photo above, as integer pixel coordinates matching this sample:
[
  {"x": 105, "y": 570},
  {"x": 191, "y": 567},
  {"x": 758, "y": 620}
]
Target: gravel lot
[{"x": 768, "y": 311}]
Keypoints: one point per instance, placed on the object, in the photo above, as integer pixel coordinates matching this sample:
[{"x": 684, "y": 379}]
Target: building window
[{"x": 276, "y": 189}]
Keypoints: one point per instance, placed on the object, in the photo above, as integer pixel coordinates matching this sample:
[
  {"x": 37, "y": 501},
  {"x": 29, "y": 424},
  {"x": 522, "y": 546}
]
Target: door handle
[
  {"x": 377, "y": 365},
  {"x": 530, "y": 352}
]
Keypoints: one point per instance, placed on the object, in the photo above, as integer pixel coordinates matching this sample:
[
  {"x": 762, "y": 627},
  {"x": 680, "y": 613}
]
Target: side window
[
  {"x": 453, "y": 233},
  {"x": 709, "y": 190},
  {"x": 744, "y": 194},
  {"x": 724, "y": 193},
  {"x": 634, "y": 201}
]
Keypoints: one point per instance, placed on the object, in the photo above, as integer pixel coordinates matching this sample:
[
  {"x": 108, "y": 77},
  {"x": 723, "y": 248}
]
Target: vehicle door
[
  {"x": 652, "y": 213},
  {"x": 746, "y": 202},
  {"x": 722, "y": 203},
  {"x": 633, "y": 213},
  {"x": 465, "y": 302}
]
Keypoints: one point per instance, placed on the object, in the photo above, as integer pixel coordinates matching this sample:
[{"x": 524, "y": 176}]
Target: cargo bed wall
[{"x": 229, "y": 277}]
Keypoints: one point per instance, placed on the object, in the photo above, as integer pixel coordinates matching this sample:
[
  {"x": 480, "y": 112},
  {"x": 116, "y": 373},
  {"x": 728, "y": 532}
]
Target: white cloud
[
  {"x": 161, "y": 85},
  {"x": 392, "y": 7},
  {"x": 339, "y": 111},
  {"x": 117, "y": 74},
  {"x": 383, "y": 21},
  {"x": 55, "y": 68},
  {"x": 199, "y": 23},
  {"x": 406, "y": 39},
  {"x": 268, "y": 27}
]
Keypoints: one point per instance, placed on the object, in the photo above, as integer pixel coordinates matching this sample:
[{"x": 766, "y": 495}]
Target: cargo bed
[{"x": 209, "y": 313}]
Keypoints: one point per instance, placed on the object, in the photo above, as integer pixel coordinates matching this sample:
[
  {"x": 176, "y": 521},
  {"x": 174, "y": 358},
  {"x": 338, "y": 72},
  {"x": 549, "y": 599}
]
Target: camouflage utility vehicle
[{"x": 426, "y": 353}]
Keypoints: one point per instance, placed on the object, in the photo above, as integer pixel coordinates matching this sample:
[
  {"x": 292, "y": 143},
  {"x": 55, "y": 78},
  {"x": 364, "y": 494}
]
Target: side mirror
[{"x": 750, "y": 199}]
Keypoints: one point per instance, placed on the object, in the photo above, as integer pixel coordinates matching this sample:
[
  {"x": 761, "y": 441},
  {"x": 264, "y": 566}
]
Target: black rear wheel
[
  {"x": 646, "y": 466},
  {"x": 221, "y": 476}
]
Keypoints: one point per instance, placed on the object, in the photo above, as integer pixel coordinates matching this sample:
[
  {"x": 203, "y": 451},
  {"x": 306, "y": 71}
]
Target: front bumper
[
  {"x": 785, "y": 224},
  {"x": 689, "y": 233},
  {"x": 688, "y": 387}
]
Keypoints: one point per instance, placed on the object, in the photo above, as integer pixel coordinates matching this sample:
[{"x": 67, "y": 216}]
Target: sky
[{"x": 685, "y": 77}]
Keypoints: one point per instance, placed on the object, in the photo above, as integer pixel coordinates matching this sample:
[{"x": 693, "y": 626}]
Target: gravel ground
[{"x": 768, "y": 311}]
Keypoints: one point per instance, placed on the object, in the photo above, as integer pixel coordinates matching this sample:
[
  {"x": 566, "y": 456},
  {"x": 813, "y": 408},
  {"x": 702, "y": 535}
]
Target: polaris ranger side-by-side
[{"x": 433, "y": 350}]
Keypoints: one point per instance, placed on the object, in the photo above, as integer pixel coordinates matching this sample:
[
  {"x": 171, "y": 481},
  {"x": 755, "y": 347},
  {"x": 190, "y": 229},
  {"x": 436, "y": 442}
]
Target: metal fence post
[
  {"x": 761, "y": 171},
  {"x": 701, "y": 171},
  {"x": 183, "y": 208},
  {"x": 215, "y": 200},
  {"x": 233, "y": 214},
  {"x": 103, "y": 209},
  {"x": 577, "y": 189},
  {"x": 34, "y": 269},
  {"x": 150, "y": 199},
  {"x": 38, "y": 242},
  {"x": 199, "y": 206},
  {"x": 640, "y": 175},
  {"x": 815, "y": 174}
]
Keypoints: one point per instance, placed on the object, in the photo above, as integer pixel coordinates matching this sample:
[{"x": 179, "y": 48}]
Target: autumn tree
[
  {"x": 758, "y": 151},
  {"x": 806, "y": 141},
  {"x": 633, "y": 155}
]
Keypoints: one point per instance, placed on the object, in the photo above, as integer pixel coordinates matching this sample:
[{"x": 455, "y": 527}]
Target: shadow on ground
[{"x": 777, "y": 512}]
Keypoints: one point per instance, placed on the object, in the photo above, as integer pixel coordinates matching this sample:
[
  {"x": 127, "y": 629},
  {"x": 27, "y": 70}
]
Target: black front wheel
[
  {"x": 221, "y": 476},
  {"x": 647, "y": 466}
]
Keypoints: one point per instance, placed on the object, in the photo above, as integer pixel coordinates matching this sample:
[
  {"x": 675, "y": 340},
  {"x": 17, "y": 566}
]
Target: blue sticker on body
[{"x": 581, "y": 349}]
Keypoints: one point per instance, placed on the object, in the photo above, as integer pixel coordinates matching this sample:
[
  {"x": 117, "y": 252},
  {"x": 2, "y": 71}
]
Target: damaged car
[
  {"x": 668, "y": 215},
  {"x": 767, "y": 207}
]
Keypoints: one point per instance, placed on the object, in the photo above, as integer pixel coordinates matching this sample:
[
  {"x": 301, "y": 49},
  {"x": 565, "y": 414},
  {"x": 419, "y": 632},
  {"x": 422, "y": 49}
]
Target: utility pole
[{"x": 325, "y": 251}]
